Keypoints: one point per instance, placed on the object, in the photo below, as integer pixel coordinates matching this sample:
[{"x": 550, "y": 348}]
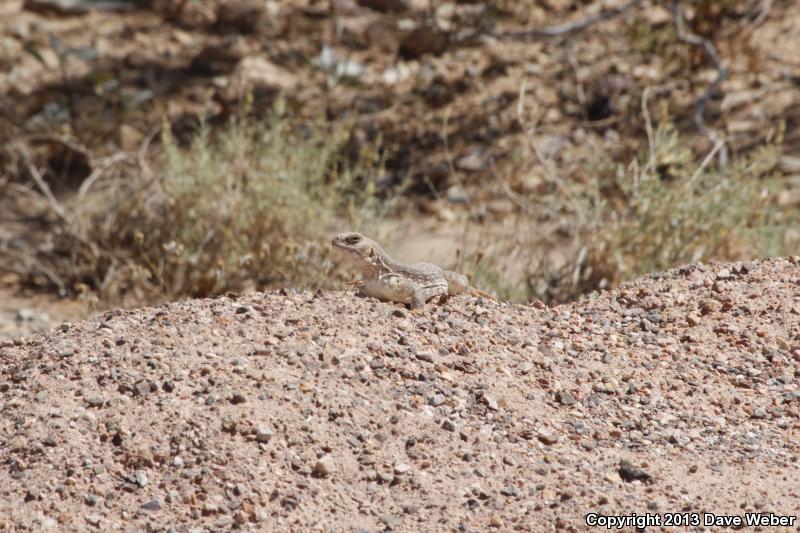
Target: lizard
[{"x": 389, "y": 280}]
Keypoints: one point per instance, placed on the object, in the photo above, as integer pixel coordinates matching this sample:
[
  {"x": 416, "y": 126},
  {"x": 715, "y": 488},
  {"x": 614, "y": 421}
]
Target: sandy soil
[
  {"x": 24, "y": 313},
  {"x": 293, "y": 411}
]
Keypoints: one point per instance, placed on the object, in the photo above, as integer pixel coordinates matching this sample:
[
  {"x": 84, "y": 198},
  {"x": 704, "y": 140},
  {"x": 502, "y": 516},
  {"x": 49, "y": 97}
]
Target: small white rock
[
  {"x": 401, "y": 468},
  {"x": 264, "y": 434}
]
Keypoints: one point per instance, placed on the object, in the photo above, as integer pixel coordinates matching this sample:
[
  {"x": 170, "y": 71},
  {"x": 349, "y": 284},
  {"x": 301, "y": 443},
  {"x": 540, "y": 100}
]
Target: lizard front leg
[
  {"x": 417, "y": 299},
  {"x": 420, "y": 295}
]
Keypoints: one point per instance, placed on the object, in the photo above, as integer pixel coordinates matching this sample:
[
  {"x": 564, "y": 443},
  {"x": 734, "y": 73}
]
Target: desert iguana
[{"x": 386, "y": 279}]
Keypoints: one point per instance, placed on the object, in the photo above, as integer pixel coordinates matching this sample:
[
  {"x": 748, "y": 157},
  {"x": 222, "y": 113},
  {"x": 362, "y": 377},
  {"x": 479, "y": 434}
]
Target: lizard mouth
[{"x": 340, "y": 247}]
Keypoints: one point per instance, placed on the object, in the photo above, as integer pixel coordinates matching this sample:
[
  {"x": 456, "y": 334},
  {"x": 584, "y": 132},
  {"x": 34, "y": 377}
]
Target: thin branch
[
  {"x": 72, "y": 144},
  {"x": 100, "y": 169},
  {"x": 448, "y": 156},
  {"x": 143, "y": 151},
  {"x": 651, "y": 138},
  {"x": 55, "y": 207},
  {"x": 718, "y": 146},
  {"x": 573, "y": 61},
  {"x": 722, "y": 74},
  {"x": 33, "y": 262},
  {"x": 766, "y": 6},
  {"x": 568, "y": 27},
  {"x": 53, "y": 203}
]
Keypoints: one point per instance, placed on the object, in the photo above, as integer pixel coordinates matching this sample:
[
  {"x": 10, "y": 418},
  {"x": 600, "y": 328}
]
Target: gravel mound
[{"x": 295, "y": 411}]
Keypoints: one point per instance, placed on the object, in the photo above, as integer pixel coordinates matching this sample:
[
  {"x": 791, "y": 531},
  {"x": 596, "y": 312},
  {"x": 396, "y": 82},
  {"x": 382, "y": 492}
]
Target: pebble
[
  {"x": 389, "y": 521},
  {"x": 401, "y": 468},
  {"x": 437, "y": 400},
  {"x": 566, "y": 398},
  {"x": 142, "y": 388},
  {"x": 264, "y": 434},
  {"x": 496, "y": 521},
  {"x": 323, "y": 467},
  {"x": 141, "y": 478},
  {"x": 152, "y": 505},
  {"x": 25, "y": 315},
  {"x": 95, "y": 401},
  {"x": 547, "y": 438},
  {"x": 628, "y": 472},
  {"x": 490, "y": 402},
  {"x": 709, "y": 305},
  {"x": 676, "y": 437},
  {"x": 425, "y": 355},
  {"x": 237, "y": 398},
  {"x": 510, "y": 491}
]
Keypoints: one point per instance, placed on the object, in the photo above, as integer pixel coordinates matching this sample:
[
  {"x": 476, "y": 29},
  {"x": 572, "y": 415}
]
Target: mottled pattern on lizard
[{"x": 387, "y": 279}]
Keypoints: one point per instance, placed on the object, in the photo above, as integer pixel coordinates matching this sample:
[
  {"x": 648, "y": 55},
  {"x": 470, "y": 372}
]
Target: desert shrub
[
  {"x": 250, "y": 204},
  {"x": 674, "y": 212},
  {"x": 665, "y": 208}
]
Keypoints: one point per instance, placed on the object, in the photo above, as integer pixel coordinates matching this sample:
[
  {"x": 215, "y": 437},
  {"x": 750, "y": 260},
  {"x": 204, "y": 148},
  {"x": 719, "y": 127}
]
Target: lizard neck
[{"x": 378, "y": 263}]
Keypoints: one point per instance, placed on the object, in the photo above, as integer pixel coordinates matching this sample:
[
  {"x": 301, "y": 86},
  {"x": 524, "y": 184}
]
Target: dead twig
[
  {"x": 722, "y": 74},
  {"x": 766, "y": 6},
  {"x": 143, "y": 164},
  {"x": 98, "y": 171},
  {"x": 573, "y": 61},
  {"x": 717, "y": 147},
  {"x": 448, "y": 156},
  {"x": 30, "y": 261},
  {"x": 52, "y": 202},
  {"x": 651, "y": 138},
  {"x": 567, "y": 27},
  {"x": 72, "y": 144}
]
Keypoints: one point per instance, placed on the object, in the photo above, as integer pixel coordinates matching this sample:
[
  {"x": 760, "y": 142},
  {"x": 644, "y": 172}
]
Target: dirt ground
[
  {"x": 298, "y": 411},
  {"x": 25, "y": 313}
]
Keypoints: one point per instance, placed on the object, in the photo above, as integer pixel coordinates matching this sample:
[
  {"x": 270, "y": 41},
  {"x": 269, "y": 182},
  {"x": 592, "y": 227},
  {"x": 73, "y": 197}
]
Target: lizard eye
[{"x": 353, "y": 239}]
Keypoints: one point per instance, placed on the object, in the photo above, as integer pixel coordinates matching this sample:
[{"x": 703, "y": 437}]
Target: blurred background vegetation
[{"x": 158, "y": 149}]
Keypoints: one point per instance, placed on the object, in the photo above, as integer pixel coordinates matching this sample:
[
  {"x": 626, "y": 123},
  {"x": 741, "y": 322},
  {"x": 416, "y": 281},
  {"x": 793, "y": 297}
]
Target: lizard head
[
  {"x": 356, "y": 247},
  {"x": 352, "y": 243}
]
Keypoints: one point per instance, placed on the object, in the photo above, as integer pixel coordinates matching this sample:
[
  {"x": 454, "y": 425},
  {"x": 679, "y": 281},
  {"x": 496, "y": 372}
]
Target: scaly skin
[{"x": 387, "y": 279}]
